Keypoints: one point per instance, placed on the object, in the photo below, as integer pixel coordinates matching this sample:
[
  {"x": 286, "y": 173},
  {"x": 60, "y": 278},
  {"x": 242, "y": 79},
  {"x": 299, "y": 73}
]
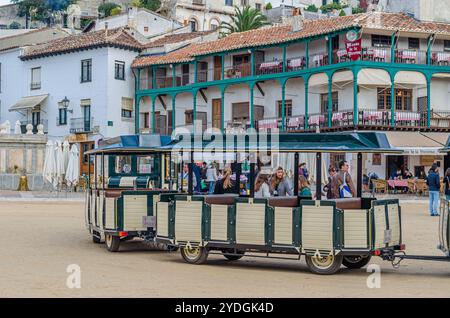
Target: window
[
  {"x": 324, "y": 102},
  {"x": 413, "y": 43},
  {"x": 214, "y": 25},
  {"x": 447, "y": 45},
  {"x": 229, "y": 2},
  {"x": 62, "y": 119},
  {"x": 86, "y": 71},
  {"x": 35, "y": 78},
  {"x": 244, "y": 3},
  {"x": 123, "y": 164},
  {"x": 146, "y": 164},
  {"x": 127, "y": 107},
  {"x": 146, "y": 120},
  {"x": 119, "y": 70},
  {"x": 146, "y": 29},
  {"x": 384, "y": 98},
  {"x": 403, "y": 99},
  {"x": 258, "y": 6},
  {"x": 194, "y": 25},
  {"x": 381, "y": 40},
  {"x": 287, "y": 108}
]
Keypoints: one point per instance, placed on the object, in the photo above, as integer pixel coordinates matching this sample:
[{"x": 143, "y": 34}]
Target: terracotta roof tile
[
  {"x": 282, "y": 34},
  {"x": 175, "y": 38},
  {"x": 114, "y": 37}
]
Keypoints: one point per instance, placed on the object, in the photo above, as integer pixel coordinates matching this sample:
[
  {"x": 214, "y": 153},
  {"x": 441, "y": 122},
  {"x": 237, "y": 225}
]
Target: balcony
[
  {"x": 25, "y": 123},
  {"x": 297, "y": 63},
  {"x": 81, "y": 125}
]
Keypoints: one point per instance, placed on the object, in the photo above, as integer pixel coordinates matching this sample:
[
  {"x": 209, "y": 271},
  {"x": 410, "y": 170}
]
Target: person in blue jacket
[{"x": 434, "y": 187}]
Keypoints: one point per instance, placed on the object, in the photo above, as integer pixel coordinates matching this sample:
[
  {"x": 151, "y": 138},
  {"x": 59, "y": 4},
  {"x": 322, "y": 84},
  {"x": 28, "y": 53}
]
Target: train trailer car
[
  {"x": 129, "y": 175},
  {"x": 328, "y": 233}
]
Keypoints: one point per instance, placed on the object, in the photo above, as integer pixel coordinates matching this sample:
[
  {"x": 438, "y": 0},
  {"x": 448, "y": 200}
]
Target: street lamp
[{"x": 65, "y": 103}]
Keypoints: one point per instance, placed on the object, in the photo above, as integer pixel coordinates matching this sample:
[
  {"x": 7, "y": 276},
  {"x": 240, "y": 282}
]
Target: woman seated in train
[
  {"x": 303, "y": 187},
  {"x": 225, "y": 185},
  {"x": 280, "y": 186},
  {"x": 262, "y": 188}
]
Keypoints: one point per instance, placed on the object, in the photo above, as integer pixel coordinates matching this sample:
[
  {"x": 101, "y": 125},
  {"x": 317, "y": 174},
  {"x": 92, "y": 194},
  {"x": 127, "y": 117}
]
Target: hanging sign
[{"x": 353, "y": 45}]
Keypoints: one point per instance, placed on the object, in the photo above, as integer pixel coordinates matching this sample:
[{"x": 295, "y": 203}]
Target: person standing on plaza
[
  {"x": 447, "y": 184},
  {"x": 342, "y": 184},
  {"x": 434, "y": 186},
  {"x": 185, "y": 178},
  {"x": 211, "y": 178}
]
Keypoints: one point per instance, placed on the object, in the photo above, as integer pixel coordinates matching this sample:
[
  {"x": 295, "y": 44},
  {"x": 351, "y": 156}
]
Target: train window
[
  {"x": 146, "y": 164},
  {"x": 123, "y": 164}
]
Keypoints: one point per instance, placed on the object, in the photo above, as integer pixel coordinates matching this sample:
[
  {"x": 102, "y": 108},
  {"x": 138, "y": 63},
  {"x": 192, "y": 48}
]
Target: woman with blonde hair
[
  {"x": 262, "y": 189},
  {"x": 225, "y": 185},
  {"x": 279, "y": 184}
]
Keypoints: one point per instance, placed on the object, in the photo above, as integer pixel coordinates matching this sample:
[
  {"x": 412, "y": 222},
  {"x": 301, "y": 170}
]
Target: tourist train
[{"x": 138, "y": 191}]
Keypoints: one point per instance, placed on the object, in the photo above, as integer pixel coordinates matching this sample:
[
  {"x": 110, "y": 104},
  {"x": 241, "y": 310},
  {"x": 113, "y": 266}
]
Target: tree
[
  {"x": 311, "y": 8},
  {"x": 152, "y": 5},
  {"x": 116, "y": 11},
  {"x": 105, "y": 8},
  {"x": 342, "y": 13},
  {"x": 268, "y": 6},
  {"x": 243, "y": 20},
  {"x": 41, "y": 10},
  {"x": 15, "y": 25},
  {"x": 357, "y": 10}
]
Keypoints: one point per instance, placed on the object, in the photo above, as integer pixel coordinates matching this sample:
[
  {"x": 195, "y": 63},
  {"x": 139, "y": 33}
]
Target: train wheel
[
  {"x": 194, "y": 255},
  {"x": 96, "y": 238},
  {"x": 233, "y": 255},
  {"x": 327, "y": 265},
  {"x": 356, "y": 261},
  {"x": 112, "y": 242}
]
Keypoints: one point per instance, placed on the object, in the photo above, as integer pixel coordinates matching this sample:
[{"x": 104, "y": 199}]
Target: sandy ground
[{"x": 40, "y": 239}]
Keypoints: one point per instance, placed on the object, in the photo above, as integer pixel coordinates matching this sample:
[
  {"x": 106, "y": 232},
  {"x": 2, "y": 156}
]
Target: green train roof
[{"x": 367, "y": 142}]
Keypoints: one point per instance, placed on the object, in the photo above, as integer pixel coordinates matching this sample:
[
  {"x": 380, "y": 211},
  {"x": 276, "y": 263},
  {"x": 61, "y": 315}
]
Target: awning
[
  {"x": 416, "y": 143},
  {"x": 28, "y": 102}
]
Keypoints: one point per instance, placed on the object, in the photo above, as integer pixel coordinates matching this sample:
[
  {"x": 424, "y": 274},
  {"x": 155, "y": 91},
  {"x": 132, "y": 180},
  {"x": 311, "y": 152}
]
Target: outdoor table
[
  {"x": 268, "y": 123},
  {"x": 316, "y": 119},
  {"x": 441, "y": 58},
  {"x": 270, "y": 67},
  {"x": 411, "y": 119},
  {"x": 295, "y": 122},
  {"x": 296, "y": 63},
  {"x": 337, "y": 117},
  {"x": 408, "y": 56},
  {"x": 398, "y": 183},
  {"x": 319, "y": 59},
  {"x": 379, "y": 55}
]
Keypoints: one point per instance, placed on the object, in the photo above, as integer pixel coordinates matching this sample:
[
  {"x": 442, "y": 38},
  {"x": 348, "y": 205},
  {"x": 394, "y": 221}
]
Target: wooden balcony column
[
  {"x": 252, "y": 115},
  {"x": 137, "y": 100},
  {"x": 392, "y": 75},
  {"x": 355, "y": 96},
  {"x": 330, "y": 99},
  {"x": 393, "y": 44},
  {"x": 153, "y": 114},
  {"x": 194, "y": 112},
  {"x": 284, "y": 59},
  {"x": 306, "y": 80},
  {"x": 428, "y": 78},
  {"x": 283, "y": 105}
]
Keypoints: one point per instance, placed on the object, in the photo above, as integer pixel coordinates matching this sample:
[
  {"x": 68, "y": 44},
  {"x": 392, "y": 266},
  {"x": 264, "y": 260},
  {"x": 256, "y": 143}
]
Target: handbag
[{"x": 344, "y": 190}]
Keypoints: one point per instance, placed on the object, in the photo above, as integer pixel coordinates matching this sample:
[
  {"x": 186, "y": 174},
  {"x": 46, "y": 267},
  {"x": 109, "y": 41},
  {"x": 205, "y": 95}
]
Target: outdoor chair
[
  {"x": 380, "y": 186},
  {"x": 421, "y": 187},
  {"x": 411, "y": 186}
]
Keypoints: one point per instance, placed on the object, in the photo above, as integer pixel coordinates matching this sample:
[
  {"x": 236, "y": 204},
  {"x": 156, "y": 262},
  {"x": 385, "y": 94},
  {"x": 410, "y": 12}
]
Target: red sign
[{"x": 354, "y": 49}]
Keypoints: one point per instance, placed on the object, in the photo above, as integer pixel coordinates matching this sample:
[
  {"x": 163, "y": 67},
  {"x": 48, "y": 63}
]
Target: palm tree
[{"x": 246, "y": 19}]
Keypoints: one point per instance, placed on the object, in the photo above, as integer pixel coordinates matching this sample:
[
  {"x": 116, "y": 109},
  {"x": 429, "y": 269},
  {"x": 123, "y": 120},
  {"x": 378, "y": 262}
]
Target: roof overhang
[{"x": 28, "y": 102}]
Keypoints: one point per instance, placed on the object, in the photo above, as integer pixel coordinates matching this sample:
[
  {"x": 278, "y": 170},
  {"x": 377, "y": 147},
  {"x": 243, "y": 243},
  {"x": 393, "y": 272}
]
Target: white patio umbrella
[
  {"x": 49, "y": 170},
  {"x": 66, "y": 153},
  {"x": 60, "y": 171},
  {"x": 73, "y": 168}
]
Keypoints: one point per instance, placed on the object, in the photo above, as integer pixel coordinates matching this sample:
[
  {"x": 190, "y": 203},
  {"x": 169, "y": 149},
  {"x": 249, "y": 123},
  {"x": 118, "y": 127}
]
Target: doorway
[
  {"x": 393, "y": 163},
  {"x": 84, "y": 159},
  {"x": 217, "y": 113}
]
